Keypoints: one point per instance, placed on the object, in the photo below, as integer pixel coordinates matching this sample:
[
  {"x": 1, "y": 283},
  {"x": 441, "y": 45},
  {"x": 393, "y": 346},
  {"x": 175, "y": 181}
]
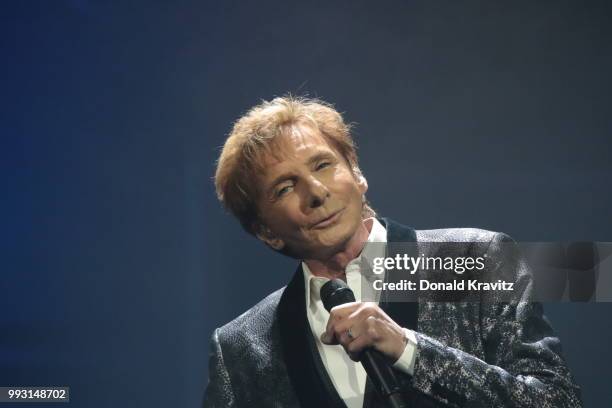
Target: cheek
[
  {"x": 352, "y": 191},
  {"x": 288, "y": 217},
  {"x": 342, "y": 175},
  {"x": 344, "y": 181}
]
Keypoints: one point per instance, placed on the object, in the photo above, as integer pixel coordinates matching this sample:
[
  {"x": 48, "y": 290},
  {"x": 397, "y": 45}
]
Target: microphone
[{"x": 336, "y": 292}]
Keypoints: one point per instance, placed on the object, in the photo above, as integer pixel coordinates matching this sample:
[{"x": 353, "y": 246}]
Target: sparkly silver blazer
[{"x": 469, "y": 354}]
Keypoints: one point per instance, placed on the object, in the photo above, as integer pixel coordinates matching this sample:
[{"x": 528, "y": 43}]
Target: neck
[{"x": 333, "y": 267}]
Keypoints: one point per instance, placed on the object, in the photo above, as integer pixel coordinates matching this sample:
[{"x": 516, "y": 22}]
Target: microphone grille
[{"x": 336, "y": 292}]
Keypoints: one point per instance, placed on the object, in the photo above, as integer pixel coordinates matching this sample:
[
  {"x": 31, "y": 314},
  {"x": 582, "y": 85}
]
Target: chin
[{"x": 338, "y": 239}]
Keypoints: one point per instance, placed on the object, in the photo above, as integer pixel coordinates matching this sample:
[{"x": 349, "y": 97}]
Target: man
[{"x": 289, "y": 173}]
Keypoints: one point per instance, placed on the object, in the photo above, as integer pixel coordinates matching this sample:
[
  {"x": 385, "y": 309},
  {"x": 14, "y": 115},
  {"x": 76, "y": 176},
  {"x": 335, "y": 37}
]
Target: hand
[{"x": 370, "y": 327}]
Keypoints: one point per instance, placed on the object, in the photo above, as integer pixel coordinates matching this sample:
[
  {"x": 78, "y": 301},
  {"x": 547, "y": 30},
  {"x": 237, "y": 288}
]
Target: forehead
[{"x": 299, "y": 142}]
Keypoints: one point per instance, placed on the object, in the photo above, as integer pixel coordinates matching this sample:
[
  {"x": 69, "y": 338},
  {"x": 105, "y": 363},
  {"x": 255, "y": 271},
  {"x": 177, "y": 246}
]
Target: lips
[{"x": 327, "y": 221}]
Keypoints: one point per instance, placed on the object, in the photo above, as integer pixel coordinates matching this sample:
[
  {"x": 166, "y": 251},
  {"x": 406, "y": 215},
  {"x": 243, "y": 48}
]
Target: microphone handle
[
  {"x": 383, "y": 376},
  {"x": 336, "y": 292}
]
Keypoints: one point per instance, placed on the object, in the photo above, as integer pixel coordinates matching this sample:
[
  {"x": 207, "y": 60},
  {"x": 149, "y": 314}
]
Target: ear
[
  {"x": 361, "y": 180},
  {"x": 263, "y": 233}
]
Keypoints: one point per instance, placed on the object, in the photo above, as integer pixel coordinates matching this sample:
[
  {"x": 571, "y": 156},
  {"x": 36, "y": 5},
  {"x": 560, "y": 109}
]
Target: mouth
[{"x": 328, "y": 221}]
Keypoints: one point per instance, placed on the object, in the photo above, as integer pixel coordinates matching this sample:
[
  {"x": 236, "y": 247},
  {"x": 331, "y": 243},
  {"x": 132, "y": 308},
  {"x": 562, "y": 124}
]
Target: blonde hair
[{"x": 254, "y": 135}]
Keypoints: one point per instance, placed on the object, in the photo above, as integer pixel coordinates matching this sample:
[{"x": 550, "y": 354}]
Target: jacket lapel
[
  {"x": 400, "y": 239},
  {"x": 404, "y": 314},
  {"x": 307, "y": 373}
]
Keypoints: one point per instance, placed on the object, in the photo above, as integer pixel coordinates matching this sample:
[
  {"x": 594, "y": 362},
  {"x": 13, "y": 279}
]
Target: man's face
[{"x": 310, "y": 200}]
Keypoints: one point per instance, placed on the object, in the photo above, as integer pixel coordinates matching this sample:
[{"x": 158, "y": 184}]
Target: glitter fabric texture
[{"x": 487, "y": 353}]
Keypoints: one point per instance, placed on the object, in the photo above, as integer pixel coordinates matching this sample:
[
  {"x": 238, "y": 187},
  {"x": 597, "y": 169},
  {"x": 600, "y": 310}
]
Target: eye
[
  {"x": 322, "y": 165},
  {"x": 284, "y": 190}
]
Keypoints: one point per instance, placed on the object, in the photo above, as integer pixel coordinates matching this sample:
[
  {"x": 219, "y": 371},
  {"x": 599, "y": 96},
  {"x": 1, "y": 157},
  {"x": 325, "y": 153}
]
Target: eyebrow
[
  {"x": 318, "y": 157},
  {"x": 311, "y": 160}
]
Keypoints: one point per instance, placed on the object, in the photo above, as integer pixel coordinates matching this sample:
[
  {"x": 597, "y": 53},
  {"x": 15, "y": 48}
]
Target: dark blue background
[{"x": 117, "y": 260}]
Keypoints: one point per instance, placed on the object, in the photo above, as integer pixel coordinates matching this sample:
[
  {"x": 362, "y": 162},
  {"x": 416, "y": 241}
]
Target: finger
[
  {"x": 336, "y": 315},
  {"x": 345, "y": 308},
  {"x": 366, "y": 310},
  {"x": 326, "y": 339},
  {"x": 355, "y": 319},
  {"x": 359, "y": 313},
  {"x": 356, "y": 346},
  {"x": 349, "y": 335},
  {"x": 344, "y": 339},
  {"x": 334, "y": 335},
  {"x": 360, "y": 320},
  {"x": 371, "y": 330}
]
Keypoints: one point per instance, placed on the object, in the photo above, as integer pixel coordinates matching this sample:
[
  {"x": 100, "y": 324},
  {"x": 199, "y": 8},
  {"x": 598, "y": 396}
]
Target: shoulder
[
  {"x": 397, "y": 232},
  {"x": 464, "y": 240},
  {"x": 457, "y": 240},
  {"x": 458, "y": 235},
  {"x": 257, "y": 322}
]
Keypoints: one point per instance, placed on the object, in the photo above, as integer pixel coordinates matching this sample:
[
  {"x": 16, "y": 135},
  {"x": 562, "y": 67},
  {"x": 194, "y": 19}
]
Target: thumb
[{"x": 327, "y": 339}]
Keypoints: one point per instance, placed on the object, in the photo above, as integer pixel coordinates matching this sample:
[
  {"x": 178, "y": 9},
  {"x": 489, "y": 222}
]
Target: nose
[{"x": 317, "y": 193}]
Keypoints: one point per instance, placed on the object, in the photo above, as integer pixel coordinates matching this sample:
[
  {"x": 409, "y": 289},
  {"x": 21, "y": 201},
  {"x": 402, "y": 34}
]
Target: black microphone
[{"x": 336, "y": 292}]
